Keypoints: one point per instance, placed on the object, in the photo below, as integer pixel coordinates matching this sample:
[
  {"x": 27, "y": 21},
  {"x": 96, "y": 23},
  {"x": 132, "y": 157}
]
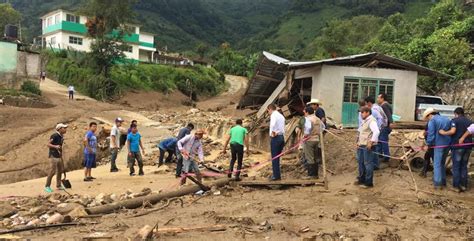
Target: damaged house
[{"x": 338, "y": 82}]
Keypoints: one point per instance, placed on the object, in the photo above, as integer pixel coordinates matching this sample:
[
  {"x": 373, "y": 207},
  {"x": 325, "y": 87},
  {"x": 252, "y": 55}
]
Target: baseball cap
[
  {"x": 118, "y": 119},
  {"x": 60, "y": 125}
]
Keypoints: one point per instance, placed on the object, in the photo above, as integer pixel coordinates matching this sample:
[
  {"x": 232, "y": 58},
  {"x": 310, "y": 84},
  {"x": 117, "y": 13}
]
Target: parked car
[{"x": 424, "y": 102}]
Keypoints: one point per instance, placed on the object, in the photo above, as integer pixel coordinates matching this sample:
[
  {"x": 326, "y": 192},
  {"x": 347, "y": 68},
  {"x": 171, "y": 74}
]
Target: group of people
[{"x": 375, "y": 119}]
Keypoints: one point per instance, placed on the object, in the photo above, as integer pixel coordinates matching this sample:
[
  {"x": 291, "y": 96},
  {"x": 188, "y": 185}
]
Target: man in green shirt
[{"x": 237, "y": 136}]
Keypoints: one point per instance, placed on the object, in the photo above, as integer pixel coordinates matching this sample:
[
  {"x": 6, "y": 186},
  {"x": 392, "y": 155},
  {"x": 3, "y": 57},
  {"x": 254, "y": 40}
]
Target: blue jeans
[
  {"x": 277, "y": 144},
  {"x": 113, "y": 158},
  {"x": 365, "y": 159},
  {"x": 385, "y": 149},
  {"x": 439, "y": 162},
  {"x": 460, "y": 160},
  {"x": 375, "y": 157}
]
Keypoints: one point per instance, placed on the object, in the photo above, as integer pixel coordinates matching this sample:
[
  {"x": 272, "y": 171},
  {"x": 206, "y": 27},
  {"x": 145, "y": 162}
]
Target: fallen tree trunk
[
  {"x": 281, "y": 183},
  {"x": 153, "y": 199},
  {"x": 214, "y": 228}
]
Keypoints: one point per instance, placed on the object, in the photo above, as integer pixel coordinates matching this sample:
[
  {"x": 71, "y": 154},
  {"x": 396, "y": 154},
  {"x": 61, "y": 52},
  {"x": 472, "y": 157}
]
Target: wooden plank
[
  {"x": 281, "y": 183},
  {"x": 272, "y": 98},
  {"x": 263, "y": 77}
]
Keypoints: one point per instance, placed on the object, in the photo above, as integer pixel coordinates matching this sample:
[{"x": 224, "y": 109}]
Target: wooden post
[{"x": 323, "y": 158}]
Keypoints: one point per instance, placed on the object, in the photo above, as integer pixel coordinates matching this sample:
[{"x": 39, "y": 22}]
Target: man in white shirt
[
  {"x": 277, "y": 142},
  {"x": 115, "y": 143},
  {"x": 366, "y": 142},
  {"x": 70, "y": 90}
]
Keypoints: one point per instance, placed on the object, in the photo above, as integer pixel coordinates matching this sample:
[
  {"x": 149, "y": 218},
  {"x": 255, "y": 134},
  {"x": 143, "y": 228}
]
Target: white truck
[{"x": 424, "y": 102}]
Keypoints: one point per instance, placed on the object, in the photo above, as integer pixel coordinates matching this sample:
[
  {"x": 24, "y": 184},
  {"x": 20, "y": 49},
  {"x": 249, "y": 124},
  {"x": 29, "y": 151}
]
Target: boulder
[
  {"x": 37, "y": 210},
  {"x": 55, "y": 218},
  {"x": 65, "y": 208},
  {"x": 35, "y": 221},
  {"x": 78, "y": 212}
]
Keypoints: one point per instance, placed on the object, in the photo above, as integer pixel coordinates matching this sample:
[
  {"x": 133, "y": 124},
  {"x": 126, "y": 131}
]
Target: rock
[
  {"x": 6, "y": 210},
  {"x": 114, "y": 197},
  {"x": 37, "y": 210},
  {"x": 2, "y": 158},
  {"x": 55, "y": 218},
  {"x": 78, "y": 212},
  {"x": 65, "y": 208},
  {"x": 100, "y": 198},
  {"x": 35, "y": 221},
  {"x": 54, "y": 198},
  {"x": 193, "y": 111},
  {"x": 145, "y": 233}
]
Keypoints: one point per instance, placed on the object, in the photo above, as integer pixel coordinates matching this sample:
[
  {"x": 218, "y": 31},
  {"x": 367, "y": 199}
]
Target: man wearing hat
[
  {"x": 55, "y": 146},
  {"x": 115, "y": 143},
  {"x": 439, "y": 142},
  {"x": 189, "y": 147},
  {"x": 318, "y": 111}
]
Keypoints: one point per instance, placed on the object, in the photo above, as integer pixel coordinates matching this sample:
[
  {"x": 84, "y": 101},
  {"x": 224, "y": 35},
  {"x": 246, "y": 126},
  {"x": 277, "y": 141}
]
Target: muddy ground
[{"x": 389, "y": 211}]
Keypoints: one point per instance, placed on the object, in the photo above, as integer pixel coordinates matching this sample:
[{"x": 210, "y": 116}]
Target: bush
[{"x": 31, "y": 87}]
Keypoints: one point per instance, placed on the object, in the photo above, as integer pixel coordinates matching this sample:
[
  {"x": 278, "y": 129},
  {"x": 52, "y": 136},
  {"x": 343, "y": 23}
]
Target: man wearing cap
[
  {"x": 318, "y": 111},
  {"x": 460, "y": 153},
  {"x": 190, "y": 146},
  {"x": 115, "y": 143},
  {"x": 312, "y": 132},
  {"x": 277, "y": 142},
  {"x": 439, "y": 142},
  {"x": 55, "y": 146}
]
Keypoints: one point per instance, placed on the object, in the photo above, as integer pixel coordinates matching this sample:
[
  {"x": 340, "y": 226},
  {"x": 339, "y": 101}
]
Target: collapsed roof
[{"x": 271, "y": 70}]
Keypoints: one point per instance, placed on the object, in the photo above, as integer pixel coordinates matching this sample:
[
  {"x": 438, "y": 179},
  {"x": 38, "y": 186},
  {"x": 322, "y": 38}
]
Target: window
[
  {"x": 49, "y": 21},
  {"x": 128, "y": 48},
  {"x": 53, "y": 41},
  {"x": 75, "y": 40},
  {"x": 387, "y": 88},
  {"x": 57, "y": 19},
  {"x": 72, "y": 18},
  {"x": 351, "y": 90}
]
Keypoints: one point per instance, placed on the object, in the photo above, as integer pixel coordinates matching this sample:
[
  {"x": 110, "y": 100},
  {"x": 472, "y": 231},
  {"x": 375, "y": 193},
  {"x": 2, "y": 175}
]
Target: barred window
[{"x": 75, "y": 40}]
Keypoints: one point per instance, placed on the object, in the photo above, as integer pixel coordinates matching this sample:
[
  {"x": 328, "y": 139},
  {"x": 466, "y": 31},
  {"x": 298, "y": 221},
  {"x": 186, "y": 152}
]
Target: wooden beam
[
  {"x": 259, "y": 76},
  {"x": 281, "y": 183},
  {"x": 272, "y": 98},
  {"x": 257, "y": 95}
]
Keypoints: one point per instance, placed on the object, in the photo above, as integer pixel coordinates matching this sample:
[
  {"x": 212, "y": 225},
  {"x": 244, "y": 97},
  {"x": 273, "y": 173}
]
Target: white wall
[
  {"x": 86, "y": 42},
  {"x": 328, "y": 86},
  {"x": 143, "y": 37},
  {"x": 134, "y": 54}
]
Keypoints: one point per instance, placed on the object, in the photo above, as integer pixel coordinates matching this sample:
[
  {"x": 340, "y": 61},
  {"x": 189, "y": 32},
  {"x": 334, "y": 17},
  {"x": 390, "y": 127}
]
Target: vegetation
[
  {"x": 231, "y": 62},
  {"x": 30, "y": 87},
  {"x": 9, "y": 15},
  {"x": 75, "y": 68}
]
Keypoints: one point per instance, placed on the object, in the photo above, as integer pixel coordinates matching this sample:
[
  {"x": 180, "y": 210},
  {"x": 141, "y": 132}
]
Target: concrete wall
[
  {"x": 29, "y": 65},
  {"x": 328, "y": 86},
  {"x": 15, "y": 66}
]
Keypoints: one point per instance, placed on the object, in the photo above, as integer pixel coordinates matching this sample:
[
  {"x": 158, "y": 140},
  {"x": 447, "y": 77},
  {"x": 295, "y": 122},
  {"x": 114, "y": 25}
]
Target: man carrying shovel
[{"x": 190, "y": 146}]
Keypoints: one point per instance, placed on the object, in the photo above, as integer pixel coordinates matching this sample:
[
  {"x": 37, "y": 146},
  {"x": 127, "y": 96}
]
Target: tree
[
  {"x": 107, "y": 24},
  {"x": 202, "y": 49},
  {"x": 8, "y": 15}
]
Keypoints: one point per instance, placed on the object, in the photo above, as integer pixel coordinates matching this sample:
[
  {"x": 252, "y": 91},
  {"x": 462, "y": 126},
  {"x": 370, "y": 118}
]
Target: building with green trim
[{"x": 62, "y": 29}]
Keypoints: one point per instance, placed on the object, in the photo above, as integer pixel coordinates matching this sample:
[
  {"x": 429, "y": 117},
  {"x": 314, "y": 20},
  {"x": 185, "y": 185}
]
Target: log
[
  {"x": 152, "y": 199},
  {"x": 214, "y": 228},
  {"x": 35, "y": 227},
  {"x": 202, "y": 186},
  {"x": 281, "y": 183}
]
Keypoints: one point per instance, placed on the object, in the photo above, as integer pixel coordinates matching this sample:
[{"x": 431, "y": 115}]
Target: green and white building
[{"x": 63, "y": 29}]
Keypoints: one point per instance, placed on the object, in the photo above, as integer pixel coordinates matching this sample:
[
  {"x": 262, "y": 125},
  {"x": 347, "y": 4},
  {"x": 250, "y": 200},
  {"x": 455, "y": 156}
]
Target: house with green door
[
  {"x": 62, "y": 29},
  {"x": 338, "y": 82}
]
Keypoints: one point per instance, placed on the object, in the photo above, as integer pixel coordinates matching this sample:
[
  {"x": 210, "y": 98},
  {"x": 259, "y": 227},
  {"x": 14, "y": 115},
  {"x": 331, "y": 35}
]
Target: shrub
[{"x": 31, "y": 87}]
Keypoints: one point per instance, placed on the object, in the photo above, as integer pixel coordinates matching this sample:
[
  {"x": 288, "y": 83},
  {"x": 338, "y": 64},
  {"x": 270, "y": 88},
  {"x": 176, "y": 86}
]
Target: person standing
[
  {"x": 71, "y": 90},
  {"x": 237, "y": 136},
  {"x": 167, "y": 145},
  {"x": 460, "y": 153},
  {"x": 90, "y": 150},
  {"x": 436, "y": 123},
  {"x": 277, "y": 141},
  {"x": 428, "y": 155},
  {"x": 312, "y": 131},
  {"x": 386, "y": 130},
  {"x": 382, "y": 121},
  {"x": 134, "y": 122},
  {"x": 318, "y": 111},
  {"x": 181, "y": 134},
  {"x": 134, "y": 144},
  {"x": 115, "y": 144},
  {"x": 366, "y": 141},
  {"x": 42, "y": 75},
  {"x": 190, "y": 146},
  {"x": 55, "y": 146}
]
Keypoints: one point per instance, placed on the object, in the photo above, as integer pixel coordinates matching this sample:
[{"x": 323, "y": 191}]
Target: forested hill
[{"x": 246, "y": 24}]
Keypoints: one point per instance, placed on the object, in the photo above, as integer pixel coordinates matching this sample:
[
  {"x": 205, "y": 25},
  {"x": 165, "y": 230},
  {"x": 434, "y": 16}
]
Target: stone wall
[{"x": 460, "y": 93}]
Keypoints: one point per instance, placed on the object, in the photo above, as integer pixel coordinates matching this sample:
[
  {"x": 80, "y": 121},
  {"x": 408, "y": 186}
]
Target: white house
[
  {"x": 339, "y": 83},
  {"x": 62, "y": 29}
]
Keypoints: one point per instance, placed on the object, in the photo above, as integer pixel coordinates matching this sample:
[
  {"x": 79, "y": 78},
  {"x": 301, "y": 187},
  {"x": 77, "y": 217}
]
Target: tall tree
[{"x": 8, "y": 15}]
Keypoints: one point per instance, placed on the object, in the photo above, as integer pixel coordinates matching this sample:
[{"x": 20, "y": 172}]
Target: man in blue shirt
[
  {"x": 460, "y": 154},
  {"x": 90, "y": 150},
  {"x": 436, "y": 123},
  {"x": 167, "y": 145},
  {"x": 182, "y": 133},
  {"x": 134, "y": 143}
]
